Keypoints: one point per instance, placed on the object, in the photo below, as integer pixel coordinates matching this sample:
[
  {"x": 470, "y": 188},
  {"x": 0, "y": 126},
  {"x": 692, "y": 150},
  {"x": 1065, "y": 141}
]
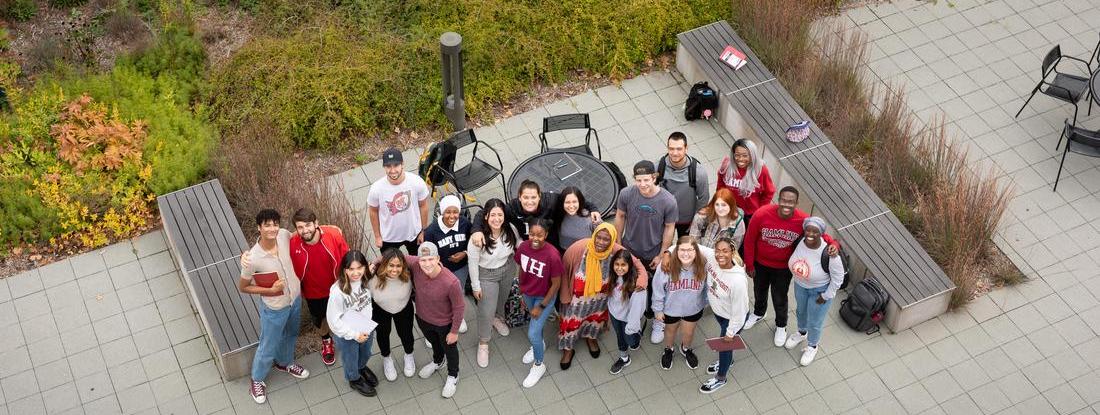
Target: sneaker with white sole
[
  {"x": 712, "y": 385},
  {"x": 657, "y": 335},
  {"x": 534, "y": 375},
  {"x": 462, "y": 327},
  {"x": 751, "y": 320},
  {"x": 529, "y": 357},
  {"x": 780, "y": 336},
  {"x": 450, "y": 386},
  {"x": 689, "y": 357},
  {"x": 666, "y": 359},
  {"x": 794, "y": 339},
  {"x": 501, "y": 326},
  {"x": 808, "y": 355},
  {"x": 619, "y": 364},
  {"x": 294, "y": 369},
  {"x": 410, "y": 365},
  {"x": 389, "y": 369},
  {"x": 429, "y": 369},
  {"x": 483, "y": 355},
  {"x": 258, "y": 391},
  {"x": 713, "y": 368}
]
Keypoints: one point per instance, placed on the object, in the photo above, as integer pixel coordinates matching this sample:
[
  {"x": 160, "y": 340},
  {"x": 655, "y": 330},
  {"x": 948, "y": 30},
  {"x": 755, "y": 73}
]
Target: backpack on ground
[
  {"x": 702, "y": 102},
  {"x": 662, "y": 164},
  {"x": 865, "y": 306}
]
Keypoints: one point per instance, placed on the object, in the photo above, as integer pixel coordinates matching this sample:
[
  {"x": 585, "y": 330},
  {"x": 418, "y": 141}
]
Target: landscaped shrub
[
  {"x": 66, "y": 3},
  {"x": 369, "y": 67},
  {"x": 177, "y": 54},
  {"x": 18, "y": 10}
]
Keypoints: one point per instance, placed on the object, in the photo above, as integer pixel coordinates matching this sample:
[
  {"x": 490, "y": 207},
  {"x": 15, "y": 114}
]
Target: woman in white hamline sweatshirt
[
  {"x": 349, "y": 295},
  {"x": 728, "y": 296}
]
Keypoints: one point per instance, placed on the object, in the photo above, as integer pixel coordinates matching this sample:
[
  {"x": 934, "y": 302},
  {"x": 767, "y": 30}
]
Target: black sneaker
[
  {"x": 689, "y": 356},
  {"x": 619, "y": 365},
  {"x": 666, "y": 359},
  {"x": 713, "y": 368},
  {"x": 369, "y": 376},
  {"x": 360, "y": 385},
  {"x": 712, "y": 385}
]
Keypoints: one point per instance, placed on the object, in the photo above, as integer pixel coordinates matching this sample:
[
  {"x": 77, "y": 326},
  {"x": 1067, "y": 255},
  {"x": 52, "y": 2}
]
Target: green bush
[
  {"x": 368, "y": 67},
  {"x": 176, "y": 54},
  {"x": 18, "y": 10},
  {"x": 67, "y": 3}
]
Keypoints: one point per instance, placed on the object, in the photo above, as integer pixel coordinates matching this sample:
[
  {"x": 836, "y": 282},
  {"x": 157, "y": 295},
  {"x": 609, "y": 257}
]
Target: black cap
[
  {"x": 644, "y": 167},
  {"x": 392, "y": 157}
]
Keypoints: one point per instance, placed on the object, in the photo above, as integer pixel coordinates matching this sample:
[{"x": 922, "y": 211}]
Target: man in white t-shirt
[{"x": 390, "y": 204}]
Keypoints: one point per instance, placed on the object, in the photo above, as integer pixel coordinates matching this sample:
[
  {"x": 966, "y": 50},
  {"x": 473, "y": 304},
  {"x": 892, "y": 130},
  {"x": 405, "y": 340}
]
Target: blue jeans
[
  {"x": 725, "y": 359},
  {"x": 624, "y": 340},
  {"x": 353, "y": 355},
  {"x": 534, "y": 330},
  {"x": 278, "y": 333},
  {"x": 462, "y": 274},
  {"x": 810, "y": 314}
]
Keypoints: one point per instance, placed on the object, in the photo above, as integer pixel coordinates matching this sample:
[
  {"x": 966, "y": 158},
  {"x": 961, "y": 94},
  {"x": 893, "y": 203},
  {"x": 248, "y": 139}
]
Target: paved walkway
[{"x": 113, "y": 331}]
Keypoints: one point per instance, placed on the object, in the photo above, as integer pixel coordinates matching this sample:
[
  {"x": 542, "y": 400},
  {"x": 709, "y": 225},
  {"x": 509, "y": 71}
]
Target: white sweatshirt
[
  {"x": 727, "y": 291},
  {"x": 501, "y": 255},
  {"x": 808, "y": 271},
  {"x": 628, "y": 311},
  {"x": 339, "y": 303}
]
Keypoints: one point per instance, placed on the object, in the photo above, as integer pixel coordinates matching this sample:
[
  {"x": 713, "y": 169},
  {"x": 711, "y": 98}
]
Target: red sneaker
[
  {"x": 293, "y": 369},
  {"x": 328, "y": 352}
]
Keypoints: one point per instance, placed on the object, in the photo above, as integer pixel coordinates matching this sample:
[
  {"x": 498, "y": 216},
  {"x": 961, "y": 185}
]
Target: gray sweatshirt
[
  {"x": 574, "y": 228},
  {"x": 680, "y": 298},
  {"x": 629, "y": 311},
  {"x": 688, "y": 200}
]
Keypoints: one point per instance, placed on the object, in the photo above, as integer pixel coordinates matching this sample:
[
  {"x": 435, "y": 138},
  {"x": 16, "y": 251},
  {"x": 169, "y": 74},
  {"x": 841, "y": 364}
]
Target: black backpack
[
  {"x": 439, "y": 157},
  {"x": 701, "y": 97},
  {"x": 662, "y": 164},
  {"x": 865, "y": 306}
]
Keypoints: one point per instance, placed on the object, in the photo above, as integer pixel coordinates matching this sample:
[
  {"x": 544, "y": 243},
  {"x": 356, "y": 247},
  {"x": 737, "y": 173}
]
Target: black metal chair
[
  {"x": 571, "y": 122},
  {"x": 475, "y": 174},
  {"x": 1078, "y": 140},
  {"x": 1064, "y": 87}
]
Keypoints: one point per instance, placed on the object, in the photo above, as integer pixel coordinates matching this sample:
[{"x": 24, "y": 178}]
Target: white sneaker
[
  {"x": 427, "y": 343},
  {"x": 534, "y": 375},
  {"x": 501, "y": 326},
  {"x": 808, "y": 355},
  {"x": 389, "y": 368},
  {"x": 780, "y": 336},
  {"x": 462, "y": 327},
  {"x": 794, "y": 339},
  {"x": 483, "y": 355},
  {"x": 751, "y": 320},
  {"x": 410, "y": 365},
  {"x": 658, "y": 334},
  {"x": 450, "y": 386},
  {"x": 529, "y": 357},
  {"x": 429, "y": 369}
]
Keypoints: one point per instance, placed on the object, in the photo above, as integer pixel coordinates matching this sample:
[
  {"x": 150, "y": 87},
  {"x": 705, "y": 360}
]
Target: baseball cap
[
  {"x": 391, "y": 157},
  {"x": 427, "y": 249},
  {"x": 644, "y": 167}
]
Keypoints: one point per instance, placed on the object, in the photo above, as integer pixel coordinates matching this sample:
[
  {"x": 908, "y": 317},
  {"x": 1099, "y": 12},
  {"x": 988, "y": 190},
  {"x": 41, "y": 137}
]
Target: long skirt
[{"x": 583, "y": 317}]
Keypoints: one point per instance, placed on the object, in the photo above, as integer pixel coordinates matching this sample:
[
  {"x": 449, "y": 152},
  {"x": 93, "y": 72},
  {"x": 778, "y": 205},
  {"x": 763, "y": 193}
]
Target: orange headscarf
[{"x": 593, "y": 273}]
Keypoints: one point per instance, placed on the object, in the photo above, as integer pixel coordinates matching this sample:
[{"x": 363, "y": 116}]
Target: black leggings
[
  {"x": 404, "y": 322},
  {"x": 437, "y": 336},
  {"x": 778, "y": 282}
]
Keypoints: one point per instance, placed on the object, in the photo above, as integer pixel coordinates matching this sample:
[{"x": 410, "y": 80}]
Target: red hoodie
[
  {"x": 770, "y": 239},
  {"x": 316, "y": 282},
  {"x": 761, "y": 196}
]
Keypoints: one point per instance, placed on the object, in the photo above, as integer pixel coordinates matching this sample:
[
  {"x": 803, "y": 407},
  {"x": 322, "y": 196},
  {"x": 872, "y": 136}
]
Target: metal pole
[{"x": 454, "y": 104}]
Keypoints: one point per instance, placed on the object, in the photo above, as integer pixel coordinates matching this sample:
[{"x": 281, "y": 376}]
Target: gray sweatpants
[{"x": 495, "y": 286}]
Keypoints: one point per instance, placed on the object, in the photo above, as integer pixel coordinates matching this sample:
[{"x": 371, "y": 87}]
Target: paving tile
[
  {"x": 160, "y": 363},
  {"x": 1043, "y": 375},
  {"x": 31, "y": 306},
  {"x": 960, "y": 405},
  {"x": 151, "y": 340},
  {"x": 1064, "y": 399},
  {"x": 61, "y": 398},
  {"x": 56, "y": 273},
  {"x": 165, "y": 286},
  {"x": 39, "y": 328},
  {"x": 20, "y": 385},
  {"x": 137, "y": 398},
  {"x": 215, "y": 398},
  {"x": 86, "y": 363},
  {"x": 149, "y": 243},
  {"x": 119, "y": 351},
  {"x": 53, "y": 374},
  {"x": 94, "y": 386},
  {"x": 127, "y": 375},
  {"x": 172, "y": 386},
  {"x": 111, "y": 328},
  {"x": 182, "y": 405},
  {"x": 182, "y": 329},
  {"x": 941, "y": 386},
  {"x": 156, "y": 264}
]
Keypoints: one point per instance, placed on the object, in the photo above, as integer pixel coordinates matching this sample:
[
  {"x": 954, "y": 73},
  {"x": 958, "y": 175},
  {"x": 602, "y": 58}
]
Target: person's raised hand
[
  {"x": 246, "y": 259},
  {"x": 596, "y": 217},
  {"x": 832, "y": 250},
  {"x": 478, "y": 239}
]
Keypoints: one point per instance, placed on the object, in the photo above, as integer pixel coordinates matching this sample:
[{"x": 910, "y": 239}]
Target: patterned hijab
[{"x": 593, "y": 273}]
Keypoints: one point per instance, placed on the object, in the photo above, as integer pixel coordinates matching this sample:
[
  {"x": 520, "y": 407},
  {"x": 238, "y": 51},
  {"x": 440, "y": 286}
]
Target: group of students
[{"x": 545, "y": 255}]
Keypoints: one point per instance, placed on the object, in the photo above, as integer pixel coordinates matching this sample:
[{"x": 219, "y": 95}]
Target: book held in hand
[
  {"x": 266, "y": 280},
  {"x": 733, "y": 57},
  {"x": 719, "y": 345}
]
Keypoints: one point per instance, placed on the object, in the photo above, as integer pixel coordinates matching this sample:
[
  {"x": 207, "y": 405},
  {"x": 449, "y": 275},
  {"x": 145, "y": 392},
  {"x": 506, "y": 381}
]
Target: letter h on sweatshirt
[{"x": 532, "y": 266}]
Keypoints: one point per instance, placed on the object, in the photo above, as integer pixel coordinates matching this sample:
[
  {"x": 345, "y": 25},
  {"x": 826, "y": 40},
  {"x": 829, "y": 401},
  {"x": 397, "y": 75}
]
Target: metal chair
[
  {"x": 1064, "y": 87},
  {"x": 477, "y": 172},
  {"x": 571, "y": 122},
  {"x": 1078, "y": 140}
]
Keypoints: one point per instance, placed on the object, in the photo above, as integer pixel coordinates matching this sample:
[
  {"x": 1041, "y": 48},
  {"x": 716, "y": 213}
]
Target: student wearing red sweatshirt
[
  {"x": 316, "y": 252},
  {"x": 743, "y": 172},
  {"x": 769, "y": 243}
]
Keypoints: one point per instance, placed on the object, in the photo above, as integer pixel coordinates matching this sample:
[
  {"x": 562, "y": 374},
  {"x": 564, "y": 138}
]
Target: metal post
[{"x": 454, "y": 103}]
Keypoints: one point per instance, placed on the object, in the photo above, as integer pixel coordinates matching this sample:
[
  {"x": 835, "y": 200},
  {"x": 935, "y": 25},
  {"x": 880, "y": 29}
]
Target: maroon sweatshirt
[
  {"x": 769, "y": 240},
  {"x": 438, "y": 300}
]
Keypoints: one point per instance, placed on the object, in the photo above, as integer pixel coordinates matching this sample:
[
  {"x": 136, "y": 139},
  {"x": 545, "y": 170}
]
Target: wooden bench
[
  {"x": 754, "y": 104},
  {"x": 206, "y": 242}
]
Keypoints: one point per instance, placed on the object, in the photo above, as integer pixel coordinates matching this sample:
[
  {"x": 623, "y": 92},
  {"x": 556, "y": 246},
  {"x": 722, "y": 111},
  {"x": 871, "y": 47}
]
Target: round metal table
[
  {"x": 1094, "y": 84},
  {"x": 556, "y": 170}
]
